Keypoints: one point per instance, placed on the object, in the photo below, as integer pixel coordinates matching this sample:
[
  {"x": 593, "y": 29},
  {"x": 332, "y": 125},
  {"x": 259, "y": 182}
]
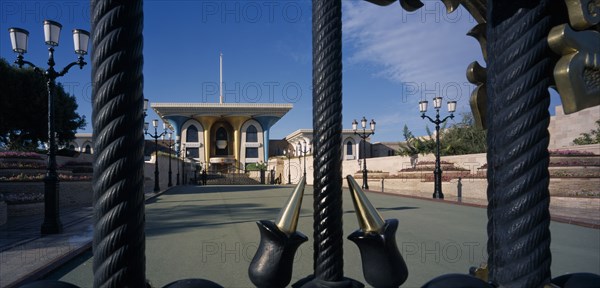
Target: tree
[
  {"x": 417, "y": 145},
  {"x": 589, "y": 138},
  {"x": 24, "y": 110},
  {"x": 462, "y": 138}
]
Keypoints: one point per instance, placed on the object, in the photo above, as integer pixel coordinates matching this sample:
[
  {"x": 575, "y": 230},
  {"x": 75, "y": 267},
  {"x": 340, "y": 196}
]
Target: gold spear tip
[
  {"x": 287, "y": 221},
  {"x": 369, "y": 219}
]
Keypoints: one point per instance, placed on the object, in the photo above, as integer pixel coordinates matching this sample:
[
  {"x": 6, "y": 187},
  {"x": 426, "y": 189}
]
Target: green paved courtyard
[{"x": 210, "y": 232}]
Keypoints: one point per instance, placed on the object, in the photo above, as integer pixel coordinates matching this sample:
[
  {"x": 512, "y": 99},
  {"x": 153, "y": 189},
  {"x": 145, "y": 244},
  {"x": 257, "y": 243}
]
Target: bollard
[
  {"x": 459, "y": 189},
  {"x": 272, "y": 176},
  {"x": 382, "y": 190}
]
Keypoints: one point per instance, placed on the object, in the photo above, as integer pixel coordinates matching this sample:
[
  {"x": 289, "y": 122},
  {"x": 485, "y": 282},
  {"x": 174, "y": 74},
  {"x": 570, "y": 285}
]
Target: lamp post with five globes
[
  {"x": 155, "y": 136},
  {"x": 288, "y": 153},
  {"x": 437, "y": 173},
  {"x": 19, "y": 39},
  {"x": 177, "y": 152},
  {"x": 303, "y": 149},
  {"x": 364, "y": 135},
  {"x": 170, "y": 182}
]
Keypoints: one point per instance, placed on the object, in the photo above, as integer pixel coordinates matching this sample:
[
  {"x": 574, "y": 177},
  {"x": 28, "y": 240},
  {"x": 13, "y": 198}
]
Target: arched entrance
[{"x": 222, "y": 156}]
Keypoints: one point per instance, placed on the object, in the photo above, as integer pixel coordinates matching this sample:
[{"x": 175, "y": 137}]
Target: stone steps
[{"x": 230, "y": 179}]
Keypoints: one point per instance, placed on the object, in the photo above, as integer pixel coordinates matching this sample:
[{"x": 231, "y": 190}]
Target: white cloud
[{"x": 424, "y": 47}]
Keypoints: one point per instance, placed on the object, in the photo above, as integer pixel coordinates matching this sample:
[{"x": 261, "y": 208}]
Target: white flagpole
[{"x": 221, "y": 77}]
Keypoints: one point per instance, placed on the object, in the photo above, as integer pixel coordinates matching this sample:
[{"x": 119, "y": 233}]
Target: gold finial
[
  {"x": 287, "y": 221},
  {"x": 576, "y": 72},
  {"x": 478, "y": 101},
  {"x": 481, "y": 272},
  {"x": 369, "y": 219}
]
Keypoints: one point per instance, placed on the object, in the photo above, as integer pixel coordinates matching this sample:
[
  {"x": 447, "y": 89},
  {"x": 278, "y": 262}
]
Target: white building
[{"x": 350, "y": 143}]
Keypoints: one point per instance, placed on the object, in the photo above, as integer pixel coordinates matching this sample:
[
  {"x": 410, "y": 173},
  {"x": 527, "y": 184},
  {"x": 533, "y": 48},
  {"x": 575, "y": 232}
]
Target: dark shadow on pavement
[
  {"x": 182, "y": 218},
  {"x": 190, "y": 189},
  {"x": 395, "y": 208},
  {"x": 69, "y": 266}
]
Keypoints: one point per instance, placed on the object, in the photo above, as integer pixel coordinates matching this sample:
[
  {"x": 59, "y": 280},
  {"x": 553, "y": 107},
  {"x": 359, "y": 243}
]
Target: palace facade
[{"x": 226, "y": 136}]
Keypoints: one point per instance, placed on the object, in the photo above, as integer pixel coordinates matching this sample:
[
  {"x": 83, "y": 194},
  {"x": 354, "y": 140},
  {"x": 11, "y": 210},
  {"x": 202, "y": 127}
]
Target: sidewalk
[
  {"x": 576, "y": 211},
  {"x": 27, "y": 255}
]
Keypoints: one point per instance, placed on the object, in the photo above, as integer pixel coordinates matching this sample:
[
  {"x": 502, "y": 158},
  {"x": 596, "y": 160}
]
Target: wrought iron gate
[{"x": 522, "y": 42}]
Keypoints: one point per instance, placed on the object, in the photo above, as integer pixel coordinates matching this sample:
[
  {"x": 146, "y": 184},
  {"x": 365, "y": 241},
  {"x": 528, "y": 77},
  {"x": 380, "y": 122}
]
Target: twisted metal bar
[
  {"x": 327, "y": 125},
  {"x": 519, "y": 73},
  {"x": 119, "y": 239}
]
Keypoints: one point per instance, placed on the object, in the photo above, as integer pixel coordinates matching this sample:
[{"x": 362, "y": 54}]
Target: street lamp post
[
  {"x": 364, "y": 135},
  {"x": 437, "y": 173},
  {"x": 19, "y": 39},
  {"x": 155, "y": 136},
  {"x": 177, "y": 152},
  {"x": 303, "y": 148},
  {"x": 288, "y": 154},
  {"x": 170, "y": 147},
  {"x": 183, "y": 156}
]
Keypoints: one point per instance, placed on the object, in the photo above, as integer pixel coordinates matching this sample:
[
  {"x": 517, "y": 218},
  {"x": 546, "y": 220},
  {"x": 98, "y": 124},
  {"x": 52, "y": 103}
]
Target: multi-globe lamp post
[
  {"x": 288, "y": 154},
  {"x": 170, "y": 134},
  {"x": 154, "y": 136},
  {"x": 437, "y": 173},
  {"x": 364, "y": 135},
  {"x": 19, "y": 41},
  {"x": 303, "y": 149},
  {"x": 177, "y": 152},
  {"x": 183, "y": 156}
]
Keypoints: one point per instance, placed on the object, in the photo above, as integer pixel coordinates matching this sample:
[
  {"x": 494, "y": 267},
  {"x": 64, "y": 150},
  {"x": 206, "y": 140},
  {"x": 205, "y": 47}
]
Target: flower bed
[
  {"x": 428, "y": 175},
  {"x": 373, "y": 174},
  {"x": 20, "y": 155},
  {"x": 23, "y": 198},
  {"x": 72, "y": 193},
  {"x": 433, "y": 162},
  {"x": 575, "y": 172},
  {"x": 38, "y": 177},
  {"x": 570, "y": 153},
  {"x": 30, "y": 167},
  {"x": 570, "y": 161},
  {"x": 444, "y": 167},
  {"x": 12, "y": 164}
]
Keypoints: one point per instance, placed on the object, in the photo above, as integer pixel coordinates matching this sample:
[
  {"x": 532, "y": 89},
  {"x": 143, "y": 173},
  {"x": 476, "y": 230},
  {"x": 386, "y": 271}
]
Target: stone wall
[
  {"x": 471, "y": 188},
  {"x": 393, "y": 164},
  {"x": 163, "y": 172},
  {"x": 564, "y": 128},
  {"x": 78, "y": 193}
]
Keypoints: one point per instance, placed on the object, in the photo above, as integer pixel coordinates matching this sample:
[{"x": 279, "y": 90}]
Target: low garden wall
[
  {"x": 27, "y": 198},
  {"x": 471, "y": 188},
  {"x": 23, "y": 195},
  {"x": 163, "y": 172}
]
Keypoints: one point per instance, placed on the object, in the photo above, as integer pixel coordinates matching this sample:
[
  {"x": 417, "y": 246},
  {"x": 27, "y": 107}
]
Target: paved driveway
[{"x": 210, "y": 232}]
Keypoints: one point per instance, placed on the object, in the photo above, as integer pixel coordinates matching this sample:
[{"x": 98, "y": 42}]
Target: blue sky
[{"x": 392, "y": 58}]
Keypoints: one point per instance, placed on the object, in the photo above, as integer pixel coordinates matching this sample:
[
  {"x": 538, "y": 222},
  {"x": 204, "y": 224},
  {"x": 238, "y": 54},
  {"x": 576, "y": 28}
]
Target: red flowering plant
[
  {"x": 570, "y": 153},
  {"x": 22, "y": 155}
]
